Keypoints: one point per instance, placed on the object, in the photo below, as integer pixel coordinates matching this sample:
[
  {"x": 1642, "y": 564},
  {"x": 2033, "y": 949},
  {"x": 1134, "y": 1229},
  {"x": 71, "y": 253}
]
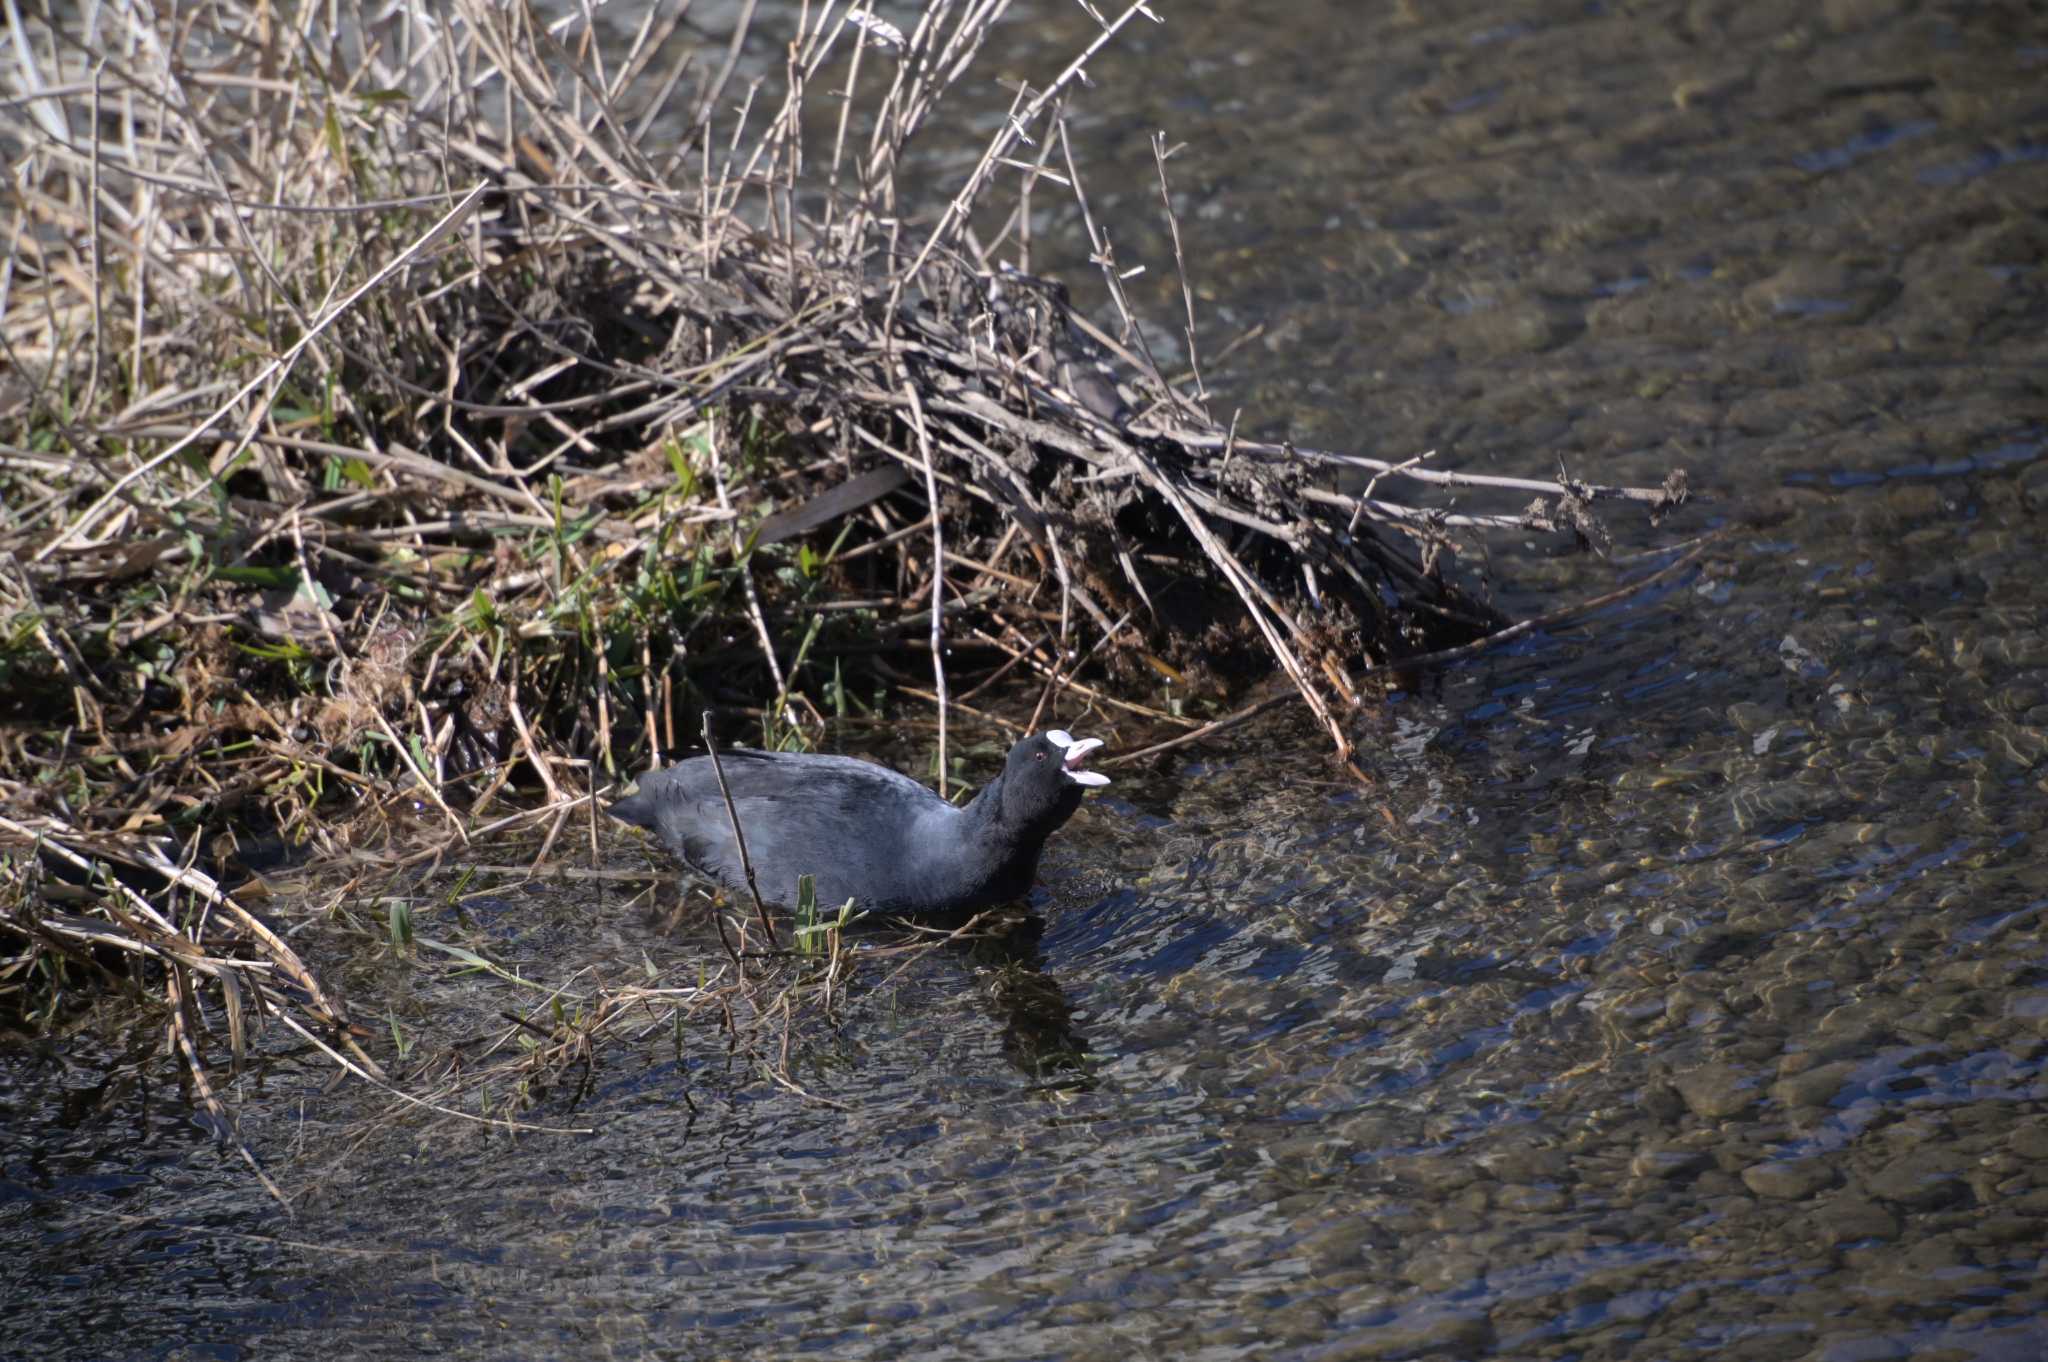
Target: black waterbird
[{"x": 863, "y": 831}]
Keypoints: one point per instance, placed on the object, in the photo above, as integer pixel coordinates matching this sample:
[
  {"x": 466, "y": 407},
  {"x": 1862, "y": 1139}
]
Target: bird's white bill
[{"x": 1077, "y": 750}]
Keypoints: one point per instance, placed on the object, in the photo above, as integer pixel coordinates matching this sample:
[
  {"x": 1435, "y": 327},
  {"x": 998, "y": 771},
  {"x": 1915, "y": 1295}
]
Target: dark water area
[{"x": 1679, "y": 987}]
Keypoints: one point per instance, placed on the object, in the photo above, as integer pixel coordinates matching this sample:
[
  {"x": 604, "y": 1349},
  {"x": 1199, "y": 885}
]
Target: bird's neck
[
  {"x": 1001, "y": 852},
  {"x": 984, "y": 812},
  {"x": 998, "y": 825}
]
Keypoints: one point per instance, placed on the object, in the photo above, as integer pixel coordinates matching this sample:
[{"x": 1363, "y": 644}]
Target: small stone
[
  {"x": 1663, "y": 1160},
  {"x": 1815, "y": 1087},
  {"x": 1764, "y": 1346},
  {"x": 1521, "y": 327},
  {"x": 1661, "y": 1102},
  {"x": 1791, "y": 999},
  {"x": 1532, "y": 1201},
  {"x": 1685, "y": 1005},
  {"x": 1712, "y": 1184},
  {"x": 1715, "y": 1092},
  {"x": 2007, "y": 1227},
  {"x": 1851, "y": 1217},
  {"x": 1525, "y": 1164},
  {"x": 1439, "y": 1177},
  {"x": 1863, "y": 1348},
  {"x": 2030, "y": 1140},
  {"x": 2034, "y": 487},
  {"x": 1432, "y": 1331},
  {"x": 2034, "y": 1203},
  {"x": 1451, "y": 1270},
  {"x": 1336, "y": 1244},
  {"x": 1920, "y": 1179},
  {"x": 1819, "y": 292},
  {"x": 1788, "y": 1179},
  {"x": 1750, "y": 717},
  {"x": 1936, "y": 1255}
]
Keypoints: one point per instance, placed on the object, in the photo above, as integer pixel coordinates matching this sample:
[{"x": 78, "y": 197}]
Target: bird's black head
[{"x": 1044, "y": 778}]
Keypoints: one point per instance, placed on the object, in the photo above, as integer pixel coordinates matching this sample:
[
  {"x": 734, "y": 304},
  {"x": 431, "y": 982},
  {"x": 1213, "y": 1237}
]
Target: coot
[{"x": 866, "y": 832}]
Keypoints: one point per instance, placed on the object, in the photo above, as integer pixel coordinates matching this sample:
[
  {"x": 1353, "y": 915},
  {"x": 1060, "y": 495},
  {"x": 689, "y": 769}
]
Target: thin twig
[
  {"x": 931, "y": 486},
  {"x": 739, "y": 835}
]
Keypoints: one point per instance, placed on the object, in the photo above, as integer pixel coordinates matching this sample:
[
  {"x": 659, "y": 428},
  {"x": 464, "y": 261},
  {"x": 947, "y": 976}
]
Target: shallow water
[{"x": 1678, "y": 988}]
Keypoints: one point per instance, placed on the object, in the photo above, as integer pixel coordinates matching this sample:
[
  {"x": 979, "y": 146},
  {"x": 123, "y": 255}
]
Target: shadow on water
[
  {"x": 1001, "y": 956},
  {"x": 1039, "y": 1032},
  {"x": 1677, "y": 987}
]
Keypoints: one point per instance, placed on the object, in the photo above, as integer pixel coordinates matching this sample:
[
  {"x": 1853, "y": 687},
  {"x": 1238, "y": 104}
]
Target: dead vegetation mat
[{"x": 414, "y": 417}]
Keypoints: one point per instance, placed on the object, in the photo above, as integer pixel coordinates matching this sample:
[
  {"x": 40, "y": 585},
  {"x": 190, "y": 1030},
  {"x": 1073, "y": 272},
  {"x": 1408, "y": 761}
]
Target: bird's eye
[{"x": 1038, "y": 756}]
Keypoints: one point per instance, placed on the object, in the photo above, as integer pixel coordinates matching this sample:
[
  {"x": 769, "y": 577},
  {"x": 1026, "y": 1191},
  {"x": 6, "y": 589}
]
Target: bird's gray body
[{"x": 863, "y": 831}]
